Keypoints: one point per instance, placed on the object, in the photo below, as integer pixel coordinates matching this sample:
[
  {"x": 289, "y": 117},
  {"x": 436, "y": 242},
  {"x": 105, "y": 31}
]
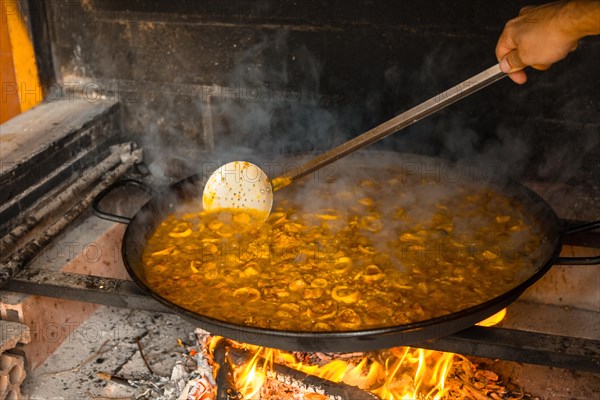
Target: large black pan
[{"x": 537, "y": 211}]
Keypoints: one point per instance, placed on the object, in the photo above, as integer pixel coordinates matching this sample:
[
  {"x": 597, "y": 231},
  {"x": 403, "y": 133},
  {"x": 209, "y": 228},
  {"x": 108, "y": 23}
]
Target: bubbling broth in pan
[{"x": 378, "y": 253}]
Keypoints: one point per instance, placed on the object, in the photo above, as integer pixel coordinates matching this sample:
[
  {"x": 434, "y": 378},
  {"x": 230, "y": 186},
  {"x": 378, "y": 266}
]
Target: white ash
[{"x": 191, "y": 377}]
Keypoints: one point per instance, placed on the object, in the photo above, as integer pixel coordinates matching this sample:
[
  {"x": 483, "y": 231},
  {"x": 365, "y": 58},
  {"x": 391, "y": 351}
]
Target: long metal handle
[{"x": 401, "y": 121}]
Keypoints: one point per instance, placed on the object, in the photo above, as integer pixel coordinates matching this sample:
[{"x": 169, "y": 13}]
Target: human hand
[{"x": 543, "y": 35}]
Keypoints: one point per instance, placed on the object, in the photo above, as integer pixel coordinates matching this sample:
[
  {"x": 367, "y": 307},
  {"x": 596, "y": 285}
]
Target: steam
[
  {"x": 263, "y": 112},
  {"x": 271, "y": 108},
  {"x": 279, "y": 110}
]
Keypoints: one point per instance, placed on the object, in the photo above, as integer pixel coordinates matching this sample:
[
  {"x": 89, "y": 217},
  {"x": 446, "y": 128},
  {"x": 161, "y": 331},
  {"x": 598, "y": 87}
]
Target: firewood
[{"x": 484, "y": 374}]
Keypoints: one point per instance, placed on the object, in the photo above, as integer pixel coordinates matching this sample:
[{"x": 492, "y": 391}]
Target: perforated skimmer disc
[{"x": 238, "y": 184}]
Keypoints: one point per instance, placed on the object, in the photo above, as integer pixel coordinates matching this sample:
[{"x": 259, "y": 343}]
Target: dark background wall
[{"x": 289, "y": 76}]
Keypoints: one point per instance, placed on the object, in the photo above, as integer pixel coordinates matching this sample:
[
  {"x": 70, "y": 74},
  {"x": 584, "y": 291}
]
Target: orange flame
[
  {"x": 415, "y": 373},
  {"x": 251, "y": 377},
  {"x": 494, "y": 319},
  {"x": 401, "y": 373}
]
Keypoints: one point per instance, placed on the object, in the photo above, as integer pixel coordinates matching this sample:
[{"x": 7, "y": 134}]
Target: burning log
[
  {"x": 225, "y": 388},
  {"x": 305, "y": 383}
]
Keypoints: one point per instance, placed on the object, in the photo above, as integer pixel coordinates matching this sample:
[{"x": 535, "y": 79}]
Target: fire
[
  {"x": 400, "y": 373},
  {"x": 415, "y": 373},
  {"x": 253, "y": 374},
  {"x": 494, "y": 319}
]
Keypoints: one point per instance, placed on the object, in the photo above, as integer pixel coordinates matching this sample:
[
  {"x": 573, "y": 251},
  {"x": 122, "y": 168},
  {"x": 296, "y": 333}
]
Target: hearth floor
[{"x": 106, "y": 343}]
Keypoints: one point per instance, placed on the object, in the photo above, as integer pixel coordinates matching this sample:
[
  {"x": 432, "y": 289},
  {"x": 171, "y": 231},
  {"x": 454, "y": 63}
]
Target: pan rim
[{"x": 372, "y": 338}]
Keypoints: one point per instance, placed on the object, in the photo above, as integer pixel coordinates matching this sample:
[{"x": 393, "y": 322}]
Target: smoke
[
  {"x": 566, "y": 153},
  {"x": 271, "y": 107},
  {"x": 531, "y": 132}
]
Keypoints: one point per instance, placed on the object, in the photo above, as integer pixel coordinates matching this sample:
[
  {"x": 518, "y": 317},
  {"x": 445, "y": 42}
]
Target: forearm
[
  {"x": 581, "y": 18},
  {"x": 542, "y": 35}
]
